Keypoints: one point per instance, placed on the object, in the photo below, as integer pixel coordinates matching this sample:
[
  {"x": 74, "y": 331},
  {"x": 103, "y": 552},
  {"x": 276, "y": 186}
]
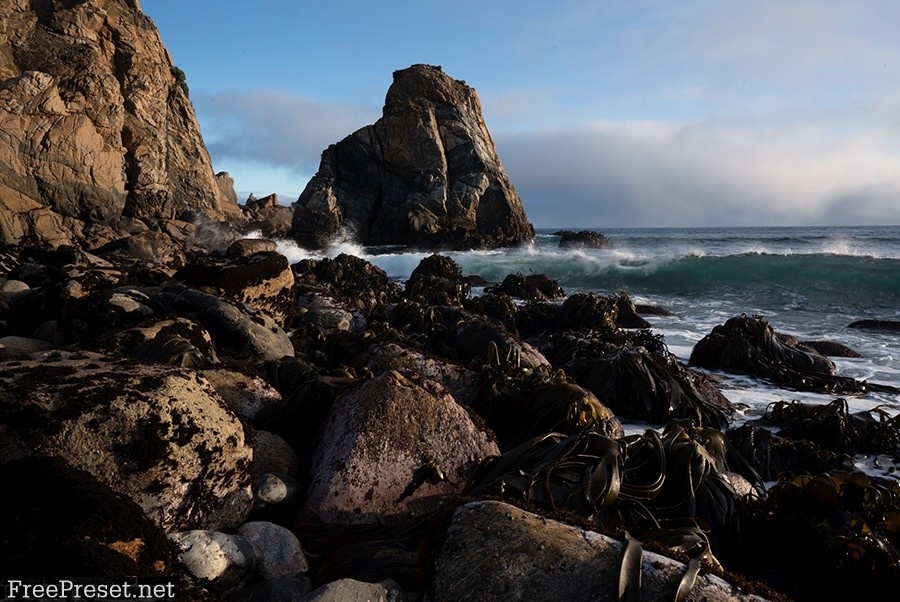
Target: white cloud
[{"x": 702, "y": 174}]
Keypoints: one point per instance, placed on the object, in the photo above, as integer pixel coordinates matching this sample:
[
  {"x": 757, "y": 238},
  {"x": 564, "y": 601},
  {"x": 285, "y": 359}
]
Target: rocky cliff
[
  {"x": 426, "y": 174},
  {"x": 95, "y": 126}
]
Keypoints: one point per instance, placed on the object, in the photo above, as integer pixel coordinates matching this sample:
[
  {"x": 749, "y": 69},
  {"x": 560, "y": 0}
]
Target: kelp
[
  {"x": 759, "y": 455},
  {"x": 636, "y": 382},
  {"x": 522, "y": 406},
  {"x": 835, "y": 428},
  {"x": 749, "y": 345},
  {"x": 836, "y": 533},
  {"x": 635, "y": 483}
]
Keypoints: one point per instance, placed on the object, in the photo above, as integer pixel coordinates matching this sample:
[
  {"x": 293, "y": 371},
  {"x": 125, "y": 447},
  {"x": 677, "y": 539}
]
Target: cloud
[
  {"x": 275, "y": 128},
  {"x": 702, "y": 174}
]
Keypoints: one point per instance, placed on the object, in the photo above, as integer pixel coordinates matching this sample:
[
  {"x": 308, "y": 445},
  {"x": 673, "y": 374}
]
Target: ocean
[{"x": 810, "y": 282}]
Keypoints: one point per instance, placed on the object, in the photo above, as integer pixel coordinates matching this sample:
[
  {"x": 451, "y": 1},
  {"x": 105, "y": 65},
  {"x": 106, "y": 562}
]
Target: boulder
[
  {"x": 280, "y": 551},
  {"x": 351, "y": 590},
  {"x": 267, "y": 216},
  {"x": 97, "y": 126},
  {"x": 462, "y": 382},
  {"x": 59, "y": 521},
  {"x": 494, "y": 551},
  {"x": 426, "y": 174},
  {"x": 157, "y": 434},
  {"x": 243, "y": 394},
  {"x": 273, "y": 454},
  {"x": 263, "y": 281},
  {"x": 237, "y": 330},
  {"x": 388, "y": 444},
  {"x": 226, "y": 560}
]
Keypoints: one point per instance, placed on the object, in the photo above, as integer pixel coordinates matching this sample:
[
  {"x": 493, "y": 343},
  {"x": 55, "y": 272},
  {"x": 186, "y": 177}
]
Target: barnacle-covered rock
[
  {"x": 157, "y": 434},
  {"x": 388, "y": 445},
  {"x": 59, "y": 521}
]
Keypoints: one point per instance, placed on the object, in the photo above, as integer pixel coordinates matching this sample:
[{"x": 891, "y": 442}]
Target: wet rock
[
  {"x": 437, "y": 280},
  {"x": 525, "y": 556},
  {"x": 60, "y": 521},
  {"x": 583, "y": 239},
  {"x": 224, "y": 559},
  {"x": 831, "y": 349},
  {"x": 156, "y": 434},
  {"x": 749, "y": 345},
  {"x": 388, "y": 444},
  {"x": 877, "y": 325},
  {"x": 350, "y": 590},
  {"x": 533, "y": 286},
  {"x": 583, "y": 311},
  {"x": 280, "y": 551}
]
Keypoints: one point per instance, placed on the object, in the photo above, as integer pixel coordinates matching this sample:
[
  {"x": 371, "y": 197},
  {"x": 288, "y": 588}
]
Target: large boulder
[
  {"x": 494, "y": 551},
  {"x": 157, "y": 434},
  {"x": 59, "y": 521},
  {"x": 388, "y": 445},
  {"x": 96, "y": 125},
  {"x": 426, "y": 174}
]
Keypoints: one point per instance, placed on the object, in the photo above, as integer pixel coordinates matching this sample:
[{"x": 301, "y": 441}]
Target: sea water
[{"x": 810, "y": 282}]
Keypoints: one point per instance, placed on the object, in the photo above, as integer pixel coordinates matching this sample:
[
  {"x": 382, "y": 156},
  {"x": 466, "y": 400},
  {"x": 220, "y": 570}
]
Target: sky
[{"x": 604, "y": 114}]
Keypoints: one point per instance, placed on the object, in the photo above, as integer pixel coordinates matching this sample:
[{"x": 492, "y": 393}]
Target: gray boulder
[
  {"x": 494, "y": 551},
  {"x": 390, "y": 445}
]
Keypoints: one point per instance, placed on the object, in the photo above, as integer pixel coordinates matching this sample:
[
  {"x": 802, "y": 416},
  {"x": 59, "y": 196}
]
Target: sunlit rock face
[{"x": 96, "y": 125}]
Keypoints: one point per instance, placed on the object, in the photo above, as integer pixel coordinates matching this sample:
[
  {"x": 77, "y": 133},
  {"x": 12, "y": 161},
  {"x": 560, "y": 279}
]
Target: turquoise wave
[{"x": 830, "y": 275}]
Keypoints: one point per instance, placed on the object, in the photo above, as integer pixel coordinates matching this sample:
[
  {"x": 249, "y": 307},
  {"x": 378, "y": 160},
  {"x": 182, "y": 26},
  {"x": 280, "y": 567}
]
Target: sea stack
[
  {"x": 426, "y": 175},
  {"x": 97, "y": 126}
]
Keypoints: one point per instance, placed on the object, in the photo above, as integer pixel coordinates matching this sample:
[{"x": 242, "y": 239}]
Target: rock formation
[
  {"x": 426, "y": 174},
  {"x": 95, "y": 126}
]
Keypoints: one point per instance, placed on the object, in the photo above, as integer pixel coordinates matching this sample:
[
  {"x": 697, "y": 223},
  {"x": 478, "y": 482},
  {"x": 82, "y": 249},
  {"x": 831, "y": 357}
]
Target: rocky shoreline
[{"x": 271, "y": 431}]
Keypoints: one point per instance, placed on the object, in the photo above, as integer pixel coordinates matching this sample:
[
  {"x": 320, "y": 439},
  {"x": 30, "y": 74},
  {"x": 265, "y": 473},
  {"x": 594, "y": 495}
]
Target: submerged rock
[
  {"x": 583, "y": 239},
  {"x": 426, "y": 175}
]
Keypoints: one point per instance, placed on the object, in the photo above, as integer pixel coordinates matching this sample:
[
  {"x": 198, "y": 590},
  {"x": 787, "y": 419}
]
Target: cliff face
[
  {"x": 425, "y": 174},
  {"x": 94, "y": 125}
]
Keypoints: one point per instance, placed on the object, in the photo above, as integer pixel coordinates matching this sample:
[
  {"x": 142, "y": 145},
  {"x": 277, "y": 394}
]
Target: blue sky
[{"x": 605, "y": 114}]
